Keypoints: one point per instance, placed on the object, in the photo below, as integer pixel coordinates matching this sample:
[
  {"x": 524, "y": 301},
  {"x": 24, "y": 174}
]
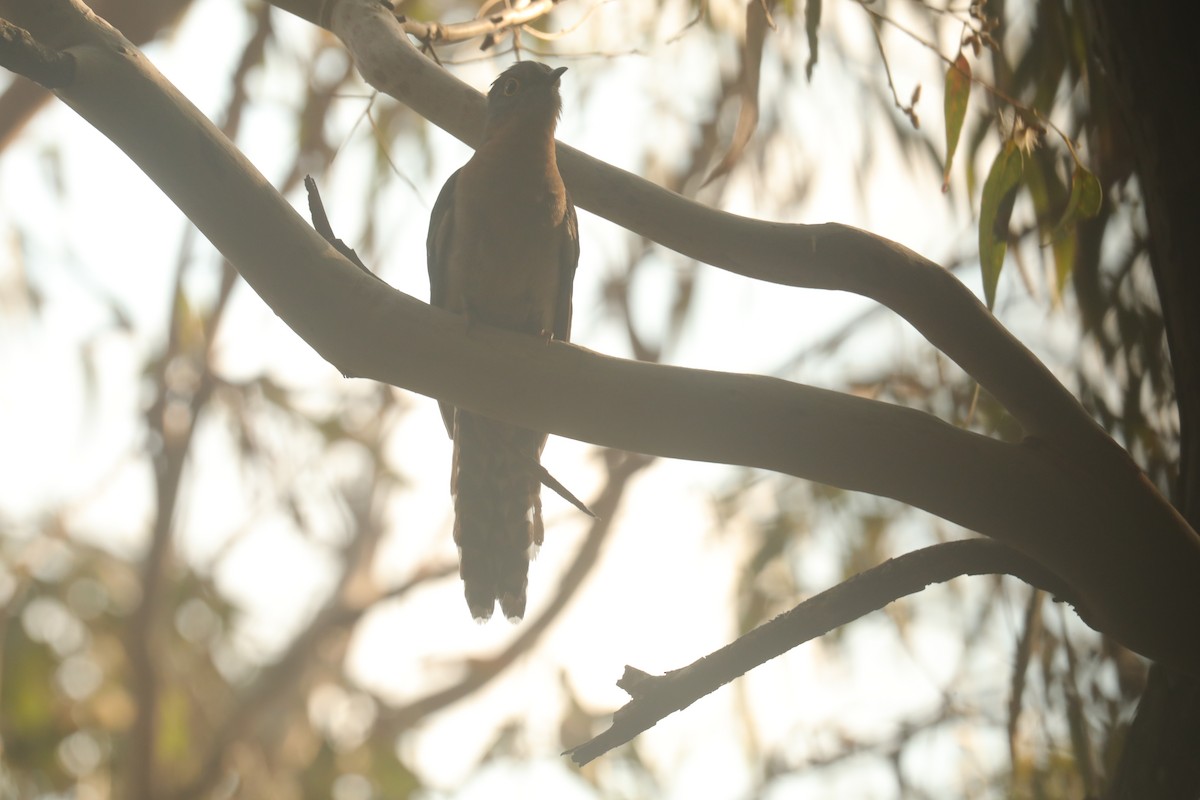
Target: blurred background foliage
[{"x": 137, "y": 663}]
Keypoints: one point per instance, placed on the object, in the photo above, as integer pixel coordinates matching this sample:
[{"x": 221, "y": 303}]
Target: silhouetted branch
[
  {"x": 20, "y": 53},
  {"x": 655, "y": 697}
]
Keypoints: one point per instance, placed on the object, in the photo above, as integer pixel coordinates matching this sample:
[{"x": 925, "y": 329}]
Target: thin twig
[
  {"x": 908, "y": 110},
  {"x": 431, "y": 33},
  {"x": 701, "y": 12},
  {"x": 548, "y": 36},
  {"x": 989, "y": 88}
]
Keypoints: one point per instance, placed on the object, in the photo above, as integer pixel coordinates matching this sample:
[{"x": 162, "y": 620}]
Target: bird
[{"x": 502, "y": 250}]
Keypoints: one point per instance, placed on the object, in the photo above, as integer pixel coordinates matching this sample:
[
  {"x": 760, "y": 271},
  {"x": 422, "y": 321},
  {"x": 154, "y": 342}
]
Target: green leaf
[
  {"x": 958, "y": 91},
  {"x": 995, "y": 209},
  {"x": 1049, "y": 192},
  {"x": 1086, "y": 187},
  {"x": 1065, "y": 248},
  {"x": 1084, "y": 202}
]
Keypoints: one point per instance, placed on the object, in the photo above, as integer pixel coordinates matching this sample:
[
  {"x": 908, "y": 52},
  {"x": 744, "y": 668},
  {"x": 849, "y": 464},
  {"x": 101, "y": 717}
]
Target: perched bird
[{"x": 503, "y": 246}]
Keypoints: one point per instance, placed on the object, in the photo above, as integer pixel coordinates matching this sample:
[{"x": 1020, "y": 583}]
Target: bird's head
[{"x": 527, "y": 90}]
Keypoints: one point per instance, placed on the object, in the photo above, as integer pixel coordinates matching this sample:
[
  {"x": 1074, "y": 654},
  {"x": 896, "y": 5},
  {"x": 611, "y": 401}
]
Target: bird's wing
[
  {"x": 568, "y": 261},
  {"x": 437, "y": 250},
  {"x": 437, "y": 243}
]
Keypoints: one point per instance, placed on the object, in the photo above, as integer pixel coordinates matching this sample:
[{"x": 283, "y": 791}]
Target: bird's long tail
[{"x": 498, "y": 511}]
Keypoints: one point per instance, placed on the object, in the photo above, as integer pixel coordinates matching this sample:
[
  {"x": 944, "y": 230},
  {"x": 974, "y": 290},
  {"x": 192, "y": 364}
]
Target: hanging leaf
[
  {"x": 958, "y": 91},
  {"x": 1065, "y": 249},
  {"x": 1084, "y": 202},
  {"x": 995, "y": 209},
  {"x": 758, "y": 20},
  {"x": 1091, "y": 196},
  {"x": 812, "y": 20}
]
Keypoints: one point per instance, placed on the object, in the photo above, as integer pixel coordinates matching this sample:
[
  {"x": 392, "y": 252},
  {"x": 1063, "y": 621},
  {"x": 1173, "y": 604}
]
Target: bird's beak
[{"x": 556, "y": 73}]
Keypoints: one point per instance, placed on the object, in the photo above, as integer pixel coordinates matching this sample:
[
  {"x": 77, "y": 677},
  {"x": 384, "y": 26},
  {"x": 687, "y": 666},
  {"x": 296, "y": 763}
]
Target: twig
[
  {"x": 431, "y": 33},
  {"x": 701, "y": 11},
  {"x": 1000, "y": 94},
  {"x": 321, "y": 223},
  {"x": 909, "y": 110},
  {"x": 547, "y": 36}
]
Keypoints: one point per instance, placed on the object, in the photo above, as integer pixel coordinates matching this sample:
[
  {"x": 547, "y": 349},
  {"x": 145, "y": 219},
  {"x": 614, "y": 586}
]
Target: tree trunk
[{"x": 1149, "y": 59}]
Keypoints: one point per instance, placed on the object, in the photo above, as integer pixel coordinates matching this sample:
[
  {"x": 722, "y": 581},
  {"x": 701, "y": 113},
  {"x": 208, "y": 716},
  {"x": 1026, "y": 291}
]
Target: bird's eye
[{"x": 511, "y": 87}]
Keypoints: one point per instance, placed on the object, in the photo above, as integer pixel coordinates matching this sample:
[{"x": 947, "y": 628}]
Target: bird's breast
[{"x": 507, "y": 249}]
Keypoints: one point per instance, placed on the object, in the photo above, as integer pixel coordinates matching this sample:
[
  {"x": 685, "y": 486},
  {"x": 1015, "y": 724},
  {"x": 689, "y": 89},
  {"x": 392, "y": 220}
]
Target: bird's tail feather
[{"x": 498, "y": 511}]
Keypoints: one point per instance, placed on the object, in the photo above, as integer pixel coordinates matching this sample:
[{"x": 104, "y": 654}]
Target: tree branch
[
  {"x": 825, "y": 256},
  {"x": 23, "y": 55},
  {"x": 1068, "y": 497},
  {"x": 655, "y": 697},
  {"x": 431, "y": 33}
]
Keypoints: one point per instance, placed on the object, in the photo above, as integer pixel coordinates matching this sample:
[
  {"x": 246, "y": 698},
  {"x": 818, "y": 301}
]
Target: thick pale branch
[
  {"x": 21, "y": 54},
  {"x": 1095, "y": 521},
  {"x": 826, "y": 256}
]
